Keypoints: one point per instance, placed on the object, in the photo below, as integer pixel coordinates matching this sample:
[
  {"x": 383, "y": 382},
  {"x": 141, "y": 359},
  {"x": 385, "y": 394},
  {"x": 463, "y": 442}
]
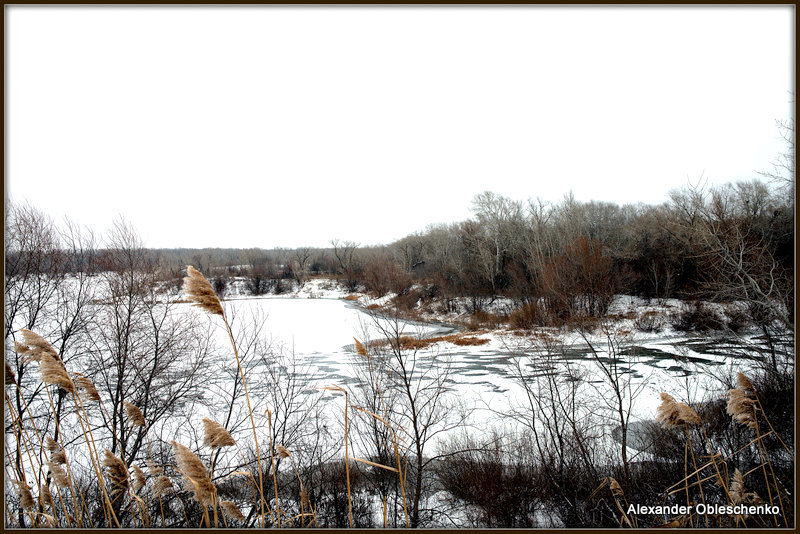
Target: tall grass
[{"x": 710, "y": 481}]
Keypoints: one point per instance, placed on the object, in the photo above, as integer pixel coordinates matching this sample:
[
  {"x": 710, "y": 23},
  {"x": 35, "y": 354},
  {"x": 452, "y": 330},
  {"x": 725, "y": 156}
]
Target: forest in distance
[{"x": 107, "y": 367}]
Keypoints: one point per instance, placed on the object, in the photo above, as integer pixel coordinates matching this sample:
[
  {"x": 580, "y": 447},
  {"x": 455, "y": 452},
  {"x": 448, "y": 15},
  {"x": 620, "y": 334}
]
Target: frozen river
[{"x": 320, "y": 332}]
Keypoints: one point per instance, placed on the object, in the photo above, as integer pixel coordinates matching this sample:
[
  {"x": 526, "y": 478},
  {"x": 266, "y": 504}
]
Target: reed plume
[
  {"x": 215, "y": 435},
  {"x": 134, "y": 414},
  {"x": 116, "y": 472},
  {"x": 87, "y": 386},
  {"x": 741, "y": 408},
  {"x": 45, "y": 496},
  {"x": 672, "y": 413},
  {"x": 11, "y": 378},
  {"x": 617, "y": 493},
  {"x": 58, "y": 457},
  {"x": 195, "y": 472},
  {"x": 34, "y": 346},
  {"x": 51, "y": 368},
  {"x": 667, "y": 412},
  {"x": 283, "y": 452},
  {"x": 744, "y": 382},
  {"x": 25, "y": 495},
  {"x": 737, "y": 488},
  {"x": 58, "y": 473},
  {"x": 52, "y": 371},
  {"x": 360, "y": 348},
  {"x": 139, "y": 479},
  {"x": 687, "y": 415},
  {"x": 57, "y": 454},
  {"x": 161, "y": 486},
  {"x": 232, "y": 511},
  {"x": 738, "y": 493},
  {"x": 154, "y": 470},
  {"x": 200, "y": 292}
]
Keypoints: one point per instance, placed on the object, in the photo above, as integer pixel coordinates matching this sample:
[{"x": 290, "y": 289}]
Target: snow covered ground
[{"x": 318, "y": 325}]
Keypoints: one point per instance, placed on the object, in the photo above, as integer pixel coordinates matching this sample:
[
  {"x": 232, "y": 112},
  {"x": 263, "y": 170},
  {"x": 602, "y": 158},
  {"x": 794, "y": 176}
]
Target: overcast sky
[{"x": 275, "y": 126}]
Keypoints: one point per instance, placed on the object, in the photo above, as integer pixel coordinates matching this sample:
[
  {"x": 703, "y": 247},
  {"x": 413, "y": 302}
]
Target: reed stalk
[{"x": 199, "y": 290}]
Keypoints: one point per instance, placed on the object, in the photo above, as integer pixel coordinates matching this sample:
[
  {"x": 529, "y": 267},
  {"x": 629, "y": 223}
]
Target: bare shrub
[
  {"x": 500, "y": 485},
  {"x": 530, "y": 315},
  {"x": 649, "y": 322},
  {"x": 697, "y": 316}
]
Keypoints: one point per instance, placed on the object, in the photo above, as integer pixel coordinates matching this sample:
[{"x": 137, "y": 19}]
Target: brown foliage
[{"x": 580, "y": 281}]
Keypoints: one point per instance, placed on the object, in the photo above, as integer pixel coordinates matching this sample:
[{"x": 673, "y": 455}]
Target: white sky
[{"x": 276, "y": 126}]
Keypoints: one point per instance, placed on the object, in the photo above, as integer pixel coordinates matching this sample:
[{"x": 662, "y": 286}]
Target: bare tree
[
  {"x": 558, "y": 421},
  {"x": 302, "y": 259},
  {"x": 421, "y": 406},
  {"x": 143, "y": 353}
]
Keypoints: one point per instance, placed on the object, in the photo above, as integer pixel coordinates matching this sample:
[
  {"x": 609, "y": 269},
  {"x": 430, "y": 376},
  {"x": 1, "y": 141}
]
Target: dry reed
[
  {"x": 139, "y": 479},
  {"x": 34, "y": 346},
  {"x": 45, "y": 497},
  {"x": 57, "y": 454},
  {"x": 741, "y": 408},
  {"x": 195, "y": 472},
  {"x": 215, "y": 435},
  {"x": 117, "y": 472},
  {"x": 10, "y": 377},
  {"x": 232, "y": 511},
  {"x": 744, "y": 383},
  {"x": 134, "y": 414},
  {"x": 58, "y": 473},
  {"x": 200, "y": 292},
  {"x": 360, "y": 348},
  {"x": 672, "y": 413},
  {"x": 687, "y": 414},
  {"x": 25, "y": 496},
  {"x": 161, "y": 486},
  {"x": 154, "y": 470},
  {"x": 87, "y": 386},
  {"x": 52, "y": 371},
  {"x": 738, "y": 494}
]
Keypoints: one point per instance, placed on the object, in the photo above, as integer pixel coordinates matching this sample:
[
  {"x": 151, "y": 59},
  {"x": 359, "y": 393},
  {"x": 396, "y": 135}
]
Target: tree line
[{"x": 554, "y": 260}]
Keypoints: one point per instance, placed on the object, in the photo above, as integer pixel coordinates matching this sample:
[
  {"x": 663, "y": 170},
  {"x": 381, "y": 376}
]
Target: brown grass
[
  {"x": 360, "y": 348},
  {"x": 10, "y": 377},
  {"x": 52, "y": 371},
  {"x": 134, "y": 414},
  {"x": 25, "y": 495},
  {"x": 58, "y": 473},
  {"x": 34, "y": 346},
  {"x": 196, "y": 475},
  {"x": 283, "y": 452},
  {"x": 215, "y": 435},
  {"x": 161, "y": 486},
  {"x": 351, "y": 298},
  {"x": 741, "y": 408},
  {"x": 232, "y": 511},
  {"x": 139, "y": 479},
  {"x": 89, "y": 390},
  {"x": 412, "y": 343},
  {"x": 744, "y": 382},
  {"x": 117, "y": 472},
  {"x": 668, "y": 412},
  {"x": 200, "y": 292}
]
